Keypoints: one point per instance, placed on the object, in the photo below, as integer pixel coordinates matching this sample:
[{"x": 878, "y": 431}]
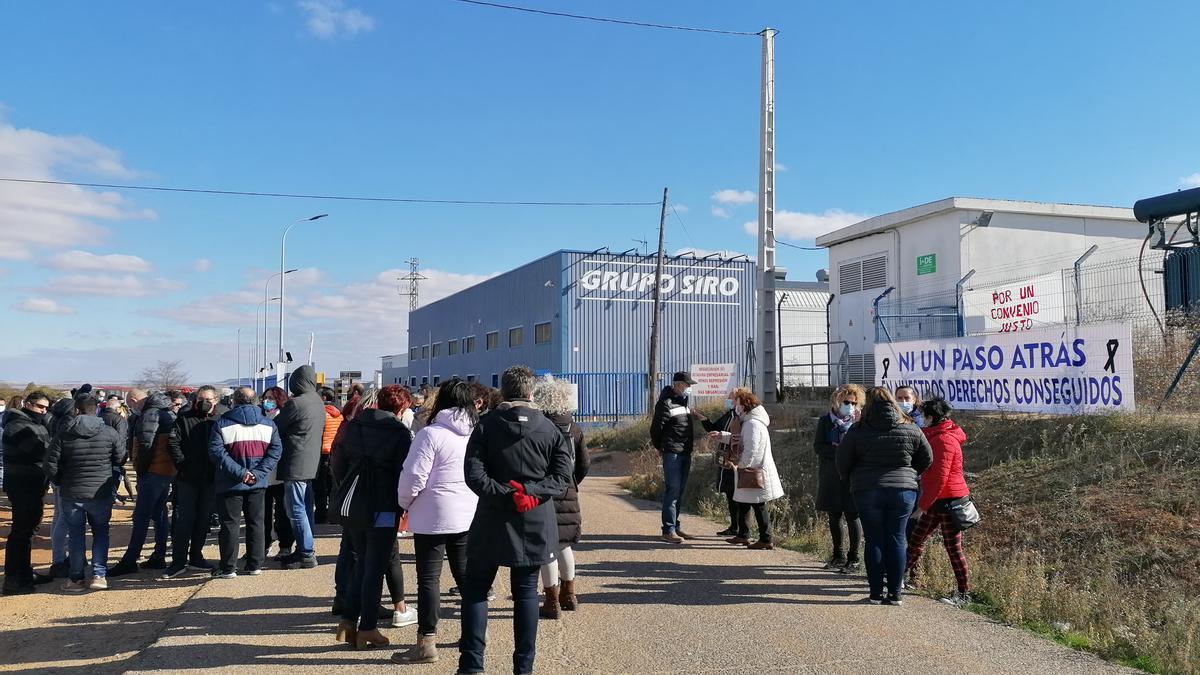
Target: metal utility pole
[
  {"x": 283, "y": 276},
  {"x": 652, "y": 372},
  {"x": 238, "y": 358},
  {"x": 766, "y": 343},
  {"x": 414, "y": 280}
]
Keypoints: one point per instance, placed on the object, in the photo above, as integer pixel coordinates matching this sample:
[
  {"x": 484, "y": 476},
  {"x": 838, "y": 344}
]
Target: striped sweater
[{"x": 242, "y": 441}]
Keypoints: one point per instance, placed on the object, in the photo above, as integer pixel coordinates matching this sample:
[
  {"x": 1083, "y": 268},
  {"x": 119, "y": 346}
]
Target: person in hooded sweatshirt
[
  {"x": 244, "y": 448},
  {"x": 301, "y": 425},
  {"x": 882, "y": 455},
  {"x": 942, "y": 485},
  {"x": 80, "y": 461},
  {"x": 26, "y": 439},
  {"x": 156, "y": 472},
  {"x": 672, "y": 433},
  {"x": 195, "y": 491},
  {"x": 757, "y": 478},
  {"x": 556, "y": 399},
  {"x": 517, "y": 462}
]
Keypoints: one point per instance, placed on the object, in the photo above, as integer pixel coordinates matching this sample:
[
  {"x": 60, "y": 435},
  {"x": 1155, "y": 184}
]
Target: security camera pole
[{"x": 652, "y": 374}]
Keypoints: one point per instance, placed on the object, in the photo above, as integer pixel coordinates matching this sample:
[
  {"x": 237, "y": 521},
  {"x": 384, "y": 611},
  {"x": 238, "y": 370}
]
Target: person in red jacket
[{"x": 943, "y": 482}]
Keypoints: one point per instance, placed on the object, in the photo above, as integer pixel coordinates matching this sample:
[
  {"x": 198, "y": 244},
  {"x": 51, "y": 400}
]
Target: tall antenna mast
[
  {"x": 414, "y": 280},
  {"x": 765, "y": 345}
]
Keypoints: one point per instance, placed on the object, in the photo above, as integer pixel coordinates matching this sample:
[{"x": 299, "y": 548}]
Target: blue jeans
[
  {"x": 676, "y": 468},
  {"x": 94, "y": 512},
  {"x": 884, "y": 514},
  {"x": 299, "y": 501},
  {"x": 151, "y": 505},
  {"x": 524, "y": 584},
  {"x": 58, "y": 531}
]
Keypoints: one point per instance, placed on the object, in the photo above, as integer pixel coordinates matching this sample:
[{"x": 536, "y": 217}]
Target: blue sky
[{"x": 880, "y": 106}]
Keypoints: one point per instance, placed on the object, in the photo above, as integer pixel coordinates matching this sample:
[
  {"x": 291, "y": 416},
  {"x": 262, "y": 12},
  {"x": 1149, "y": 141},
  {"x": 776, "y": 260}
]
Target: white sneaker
[
  {"x": 99, "y": 584},
  {"x": 405, "y": 618}
]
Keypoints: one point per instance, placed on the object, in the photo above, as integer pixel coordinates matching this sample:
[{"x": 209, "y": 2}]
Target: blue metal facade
[{"x": 598, "y": 307}]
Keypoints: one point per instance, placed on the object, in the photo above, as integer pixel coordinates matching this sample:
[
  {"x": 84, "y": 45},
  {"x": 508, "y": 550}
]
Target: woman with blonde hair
[
  {"x": 833, "y": 491},
  {"x": 757, "y": 478},
  {"x": 556, "y": 399},
  {"x": 882, "y": 457}
]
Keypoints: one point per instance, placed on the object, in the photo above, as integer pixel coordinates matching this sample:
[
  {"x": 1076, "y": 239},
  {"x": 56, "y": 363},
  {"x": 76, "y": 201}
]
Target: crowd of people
[
  {"x": 890, "y": 474},
  {"x": 481, "y": 479}
]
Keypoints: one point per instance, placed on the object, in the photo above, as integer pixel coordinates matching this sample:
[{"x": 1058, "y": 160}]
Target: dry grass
[{"x": 1090, "y": 534}]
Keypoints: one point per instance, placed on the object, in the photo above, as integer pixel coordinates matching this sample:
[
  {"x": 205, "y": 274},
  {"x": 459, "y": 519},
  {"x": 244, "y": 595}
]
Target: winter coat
[
  {"x": 189, "y": 442},
  {"x": 671, "y": 429},
  {"x": 26, "y": 440},
  {"x": 376, "y": 439},
  {"x": 833, "y": 491},
  {"x": 243, "y": 440},
  {"x": 566, "y": 505},
  {"x": 81, "y": 459},
  {"x": 433, "y": 487},
  {"x": 151, "y": 444},
  {"x": 516, "y": 443},
  {"x": 61, "y": 412},
  {"x": 301, "y": 426},
  {"x": 883, "y": 451},
  {"x": 944, "y": 478},
  {"x": 114, "y": 419},
  {"x": 756, "y": 454},
  {"x": 333, "y": 421},
  {"x": 729, "y": 448}
]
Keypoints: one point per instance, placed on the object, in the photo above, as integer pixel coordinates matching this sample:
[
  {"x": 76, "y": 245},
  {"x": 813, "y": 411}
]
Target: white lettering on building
[{"x": 642, "y": 282}]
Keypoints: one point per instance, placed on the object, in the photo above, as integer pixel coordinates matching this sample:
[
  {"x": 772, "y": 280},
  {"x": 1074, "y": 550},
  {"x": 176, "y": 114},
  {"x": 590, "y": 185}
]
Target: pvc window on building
[
  {"x": 469, "y": 344},
  {"x": 493, "y": 340},
  {"x": 436, "y": 350},
  {"x": 471, "y": 378},
  {"x": 451, "y": 347},
  {"x": 495, "y": 381},
  {"x": 437, "y": 379},
  {"x": 412, "y": 382},
  {"x": 516, "y": 336},
  {"x": 414, "y": 354},
  {"x": 425, "y": 351},
  {"x": 541, "y": 333}
]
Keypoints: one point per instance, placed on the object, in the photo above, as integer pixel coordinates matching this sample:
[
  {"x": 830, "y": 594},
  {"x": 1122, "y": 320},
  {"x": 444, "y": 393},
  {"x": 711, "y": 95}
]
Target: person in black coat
[
  {"x": 26, "y": 438},
  {"x": 673, "y": 434},
  {"x": 80, "y": 462},
  {"x": 368, "y": 454},
  {"x": 883, "y": 455},
  {"x": 833, "y": 491},
  {"x": 725, "y": 456},
  {"x": 556, "y": 399},
  {"x": 195, "y": 493},
  {"x": 517, "y": 462}
]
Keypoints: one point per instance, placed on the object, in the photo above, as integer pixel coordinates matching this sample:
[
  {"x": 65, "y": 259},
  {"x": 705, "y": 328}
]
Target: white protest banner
[
  {"x": 713, "y": 379},
  {"x": 1013, "y": 308},
  {"x": 1065, "y": 370}
]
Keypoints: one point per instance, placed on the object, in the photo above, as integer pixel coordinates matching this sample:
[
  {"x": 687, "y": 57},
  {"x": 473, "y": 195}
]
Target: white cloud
[
  {"x": 681, "y": 208},
  {"x": 720, "y": 211},
  {"x": 109, "y": 285},
  {"x": 151, "y": 333},
  {"x": 780, "y": 167},
  {"x": 42, "y": 306},
  {"x": 328, "y": 19},
  {"x": 83, "y": 261},
  {"x": 800, "y": 225},
  {"x": 700, "y": 252},
  {"x": 1192, "y": 180},
  {"x": 734, "y": 197},
  {"x": 202, "y": 265},
  {"x": 55, "y": 216}
]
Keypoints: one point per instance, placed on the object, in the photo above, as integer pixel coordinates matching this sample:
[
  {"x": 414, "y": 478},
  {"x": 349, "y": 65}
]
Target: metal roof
[{"x": 888, "y": 221}]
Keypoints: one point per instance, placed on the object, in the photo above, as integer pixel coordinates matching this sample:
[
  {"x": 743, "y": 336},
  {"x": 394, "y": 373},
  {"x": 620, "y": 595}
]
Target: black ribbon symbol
[
  {"x": 1113, "y": 344},
  {"x": 886, "y": 364}
]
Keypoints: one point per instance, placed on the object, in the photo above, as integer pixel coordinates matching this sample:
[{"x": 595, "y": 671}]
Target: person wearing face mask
[
  {"x": 279, "y": 526},
  {"x": 725, "y": 456},
  {"x": 194, "y": 486},
  {"x": 26, "y": 438},
  {"x": 757, "y": 477},
  {"x": 833, "y": 491},
  {"x": 672, "y": 433},
  {"x": 910, "y": 404}
]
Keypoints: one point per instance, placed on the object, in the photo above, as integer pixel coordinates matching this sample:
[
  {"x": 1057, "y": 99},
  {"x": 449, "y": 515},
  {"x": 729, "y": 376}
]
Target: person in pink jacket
[
  {"x": 941, "y": 484},
  {"x": 440, "y": 506}
]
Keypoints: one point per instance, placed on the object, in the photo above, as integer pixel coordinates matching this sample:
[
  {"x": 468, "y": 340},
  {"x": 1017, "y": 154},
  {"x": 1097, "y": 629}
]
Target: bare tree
[{"x": 162, "y": 376}]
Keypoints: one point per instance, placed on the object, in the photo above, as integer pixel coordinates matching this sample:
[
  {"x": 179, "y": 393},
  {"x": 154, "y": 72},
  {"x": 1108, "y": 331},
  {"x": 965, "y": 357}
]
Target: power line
[
  {"x": 607, "y": 20},
  {"x": 802, "y": 248},
  {"x": 346, "y": 198},
  {"x": 685, "y": 230}
]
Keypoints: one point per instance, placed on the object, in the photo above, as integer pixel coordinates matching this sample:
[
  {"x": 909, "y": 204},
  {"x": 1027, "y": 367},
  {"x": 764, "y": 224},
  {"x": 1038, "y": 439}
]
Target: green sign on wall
[{"x": 926, "y": 264}]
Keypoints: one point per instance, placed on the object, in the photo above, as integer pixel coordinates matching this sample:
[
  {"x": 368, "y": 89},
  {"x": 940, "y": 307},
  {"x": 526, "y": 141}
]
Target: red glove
[{"x": 523, "y": 502}]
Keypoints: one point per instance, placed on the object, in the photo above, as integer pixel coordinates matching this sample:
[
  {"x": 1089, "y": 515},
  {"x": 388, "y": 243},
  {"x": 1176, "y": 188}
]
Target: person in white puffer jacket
[{"x": 757, "y": 478}]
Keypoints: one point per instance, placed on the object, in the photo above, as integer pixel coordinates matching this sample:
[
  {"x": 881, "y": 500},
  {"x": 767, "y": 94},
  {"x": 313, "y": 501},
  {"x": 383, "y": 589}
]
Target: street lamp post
[
  {"x": 266, "y": 318},
  {"x": 283, "y": 275},
  {"x": 257, "y": 312}
]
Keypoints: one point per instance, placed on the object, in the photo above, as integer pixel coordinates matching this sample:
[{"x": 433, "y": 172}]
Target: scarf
[{"x": 839, "y": 428}]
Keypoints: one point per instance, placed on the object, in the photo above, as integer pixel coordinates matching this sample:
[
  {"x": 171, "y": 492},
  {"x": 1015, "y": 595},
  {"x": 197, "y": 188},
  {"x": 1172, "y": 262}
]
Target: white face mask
[{"x": 687, "y": 392}]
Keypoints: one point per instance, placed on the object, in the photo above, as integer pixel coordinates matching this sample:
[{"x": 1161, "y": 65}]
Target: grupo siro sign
[
  {"x": 1074, "y": 370},
  {"x": 678, "y": 283}
]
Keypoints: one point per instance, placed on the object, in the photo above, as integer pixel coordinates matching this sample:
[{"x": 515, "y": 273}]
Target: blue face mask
[
  {"x": 846, "y": 410},
  {"x": 906, "y": 407},
  {"x": 728, "y": 404},
  {"x": 268, "y": 405}
]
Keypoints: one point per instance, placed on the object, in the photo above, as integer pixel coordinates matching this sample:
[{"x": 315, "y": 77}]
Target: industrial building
[
  {"x": 964, "y": 266},
  {"x": 586, "y": 316},
  {"x": 803, "y": 333}
]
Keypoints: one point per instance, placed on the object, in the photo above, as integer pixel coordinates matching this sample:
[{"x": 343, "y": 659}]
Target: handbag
[
  {"x": 750, "y": 479},
  {"x": 962, "y": 512}
]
